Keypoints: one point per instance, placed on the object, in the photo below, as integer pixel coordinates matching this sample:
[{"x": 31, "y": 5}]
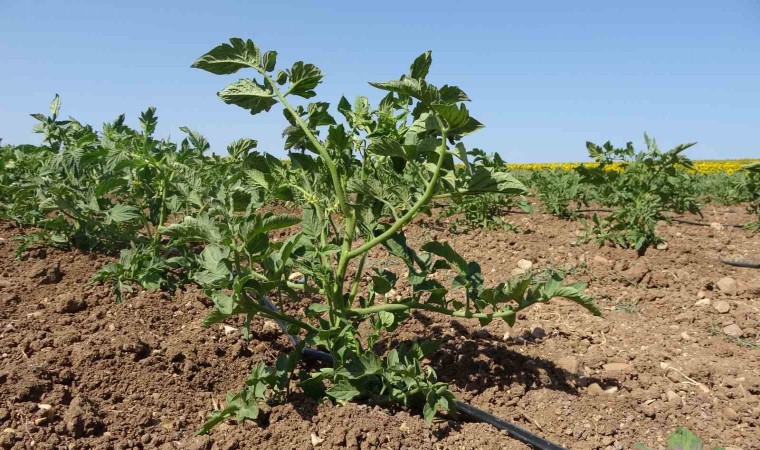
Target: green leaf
[
  {"x": 194, "y": 229},
  {"x": 454, "y": 117},
  {"x": 214, "y": 260},
  {"x": 229, "y": 58},
  {"x": 485, "y": 180},
  {"x": 683, "y": 439},
  {"x": 445, "y": 251},
  {"x": 342, "y": 391},
  {"x": 386, "y": 146},
  {"x": 303, "y": 79},
  {"x": 55, "y": 106},
  {"x": 122, "y": 213},
  {"x": 386, "y": 319},
  {"x": 421, "y": 65},
  {"x": 316, "y": 309},
  {"x": 429, "y": 409},
  {"x": 269, "y": 60},
  {"x": 248, "y": 94}
]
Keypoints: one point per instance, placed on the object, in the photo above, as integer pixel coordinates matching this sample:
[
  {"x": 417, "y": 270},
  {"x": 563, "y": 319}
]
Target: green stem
[
  {"x": 357, "y": 280},
  {"x": 406, "y": 218},
  {"x": 337, "y": 182}
]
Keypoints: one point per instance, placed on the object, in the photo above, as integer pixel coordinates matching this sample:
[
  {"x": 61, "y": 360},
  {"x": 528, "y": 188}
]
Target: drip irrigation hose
[
  {"x": 703, "y": 224},
  {"x": 524, "y": 436},
  {"x": 747, "y": 264}
]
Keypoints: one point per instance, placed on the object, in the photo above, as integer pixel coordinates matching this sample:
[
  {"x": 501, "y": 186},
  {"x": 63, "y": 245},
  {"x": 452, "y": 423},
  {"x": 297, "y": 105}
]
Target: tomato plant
[{"x": 359, "y": 181}]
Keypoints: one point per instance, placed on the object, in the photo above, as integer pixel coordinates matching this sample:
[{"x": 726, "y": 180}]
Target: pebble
[
  {"x": 524, "y": 264},
  {"x": 701, "y": 294},
  {"x": 716, "y": 226},
  {"x": 703, "y": 302},
  {"x": 673, "y": 397},
  {"x": 722, "y": 306},
  {"x": 728, "y": 286},
  {"x": 730, "y": 413},
  {"x": 228, "y": 329},
  {"x": 569, "y": 364},
  {"x": 733, "y": 330},
  {"x": 662, "y": 246},
  {"x": 594, "y": 389},
  {"x": 316, "y": 440}
]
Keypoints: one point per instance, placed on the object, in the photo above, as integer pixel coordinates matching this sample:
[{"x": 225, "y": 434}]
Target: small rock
[
  {"x": 228, "y": 329},
  {"x": 296, "y": 277},
  {"x": 618, "y": 367},
  {"x": 722, "y": 306},
  {"x": 730, "y": 413},
  {"x": 673, "y": 397},
  {"x": 594, "y": 389},
  {"x": 68, "y": 303},
  {"x": 537, "y": 332},
  {"x": 716, "y": 226},
  {"x": 316, "y": 440},
  {"x": 701, "y": 294},
  {"x": 611, "y": 390},
  {"x": 686, "y": 337},
  {"x": 728, "y": 286},
  {"x": 81, "y": 418},
  {"x": 662, "y": 246},
  {"x": 703, "y": 302},
  {"x": 270, "y": 326},
  {"x": 569, "y": 364},
  {"x": 524, "y": 264},
  {"x": 637, "y": 272},
  {"x": 733, "y": 330}
]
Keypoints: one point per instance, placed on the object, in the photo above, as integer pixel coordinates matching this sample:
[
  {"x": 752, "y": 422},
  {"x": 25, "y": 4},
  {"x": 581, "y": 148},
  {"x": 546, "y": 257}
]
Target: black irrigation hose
[
  {"x": 702, "y": 224},
  {"x": 750, "y": 265},
  {"x": 524, "y": 436}
]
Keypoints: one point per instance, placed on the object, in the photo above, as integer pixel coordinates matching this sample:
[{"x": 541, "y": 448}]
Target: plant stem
[
  {"x": 337, "y": 182},
  {"x": 426, "y": 197}
]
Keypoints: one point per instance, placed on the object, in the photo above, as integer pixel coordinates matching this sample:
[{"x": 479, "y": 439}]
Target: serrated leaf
[
  {"x": 229, "y": 58},
  {"x": 386, "y": 146},
  {"x": 303, "y": 79},
  {"x": 455, "y": 117},
  {"x": 122, "y": 213},
  {"x": 485, "y": 179},
  {"x": 342, "y": 391},
  {"x": 248, "y": 94},
  {"x": 421, "y": 65},
  {"x": 445, "y": 251}
]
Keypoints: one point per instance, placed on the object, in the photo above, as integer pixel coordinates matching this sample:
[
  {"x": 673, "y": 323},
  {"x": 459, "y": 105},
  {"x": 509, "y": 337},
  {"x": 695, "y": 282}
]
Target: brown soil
[{"x": 79, "y": 371}]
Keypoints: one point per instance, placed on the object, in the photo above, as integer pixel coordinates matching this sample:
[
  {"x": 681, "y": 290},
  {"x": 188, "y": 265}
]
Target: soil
[{"x": 676, "y": 348}]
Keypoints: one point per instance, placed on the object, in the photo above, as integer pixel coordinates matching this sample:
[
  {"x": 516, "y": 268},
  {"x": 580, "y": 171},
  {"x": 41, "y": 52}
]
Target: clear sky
[{"x": 544, "y": 76}]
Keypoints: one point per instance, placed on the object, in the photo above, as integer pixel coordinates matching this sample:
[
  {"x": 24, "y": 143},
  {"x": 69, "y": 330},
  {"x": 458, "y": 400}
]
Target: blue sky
[{"x": 544, "y": 76}]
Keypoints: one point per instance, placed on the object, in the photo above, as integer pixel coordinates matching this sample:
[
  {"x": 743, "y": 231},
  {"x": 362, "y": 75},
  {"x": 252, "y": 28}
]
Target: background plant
[
  {"x": 646, "y": 185},
  {"x": 488, "y": 209}
]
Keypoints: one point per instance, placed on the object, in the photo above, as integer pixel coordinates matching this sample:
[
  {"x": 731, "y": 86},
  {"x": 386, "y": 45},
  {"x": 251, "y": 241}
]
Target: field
[
  {"x": 144, "y": 373},
  {"x": 359, "y": 293}
]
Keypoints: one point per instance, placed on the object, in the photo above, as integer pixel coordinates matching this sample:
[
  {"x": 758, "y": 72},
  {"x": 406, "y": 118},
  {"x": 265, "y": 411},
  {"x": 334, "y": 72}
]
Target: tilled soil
[{"x": 678, "y": 346}]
